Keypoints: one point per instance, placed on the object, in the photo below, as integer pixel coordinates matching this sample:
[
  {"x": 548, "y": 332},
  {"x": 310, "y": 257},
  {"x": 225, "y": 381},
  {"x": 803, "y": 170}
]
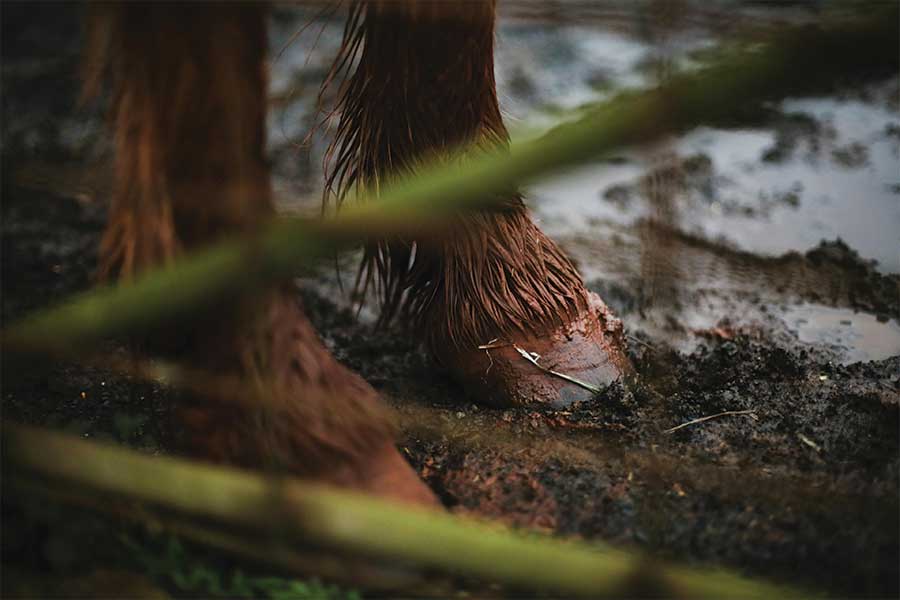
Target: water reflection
[{"x": 853, "y": 336}]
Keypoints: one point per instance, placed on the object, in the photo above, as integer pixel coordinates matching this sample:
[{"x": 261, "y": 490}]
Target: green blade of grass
[{"x": 302, "y": 513}]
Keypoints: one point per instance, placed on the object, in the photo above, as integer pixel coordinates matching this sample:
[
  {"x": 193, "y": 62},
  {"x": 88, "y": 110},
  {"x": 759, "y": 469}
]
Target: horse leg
[
  {"x": 188, "y": 109},
  {"x": 418, "y": 83}
]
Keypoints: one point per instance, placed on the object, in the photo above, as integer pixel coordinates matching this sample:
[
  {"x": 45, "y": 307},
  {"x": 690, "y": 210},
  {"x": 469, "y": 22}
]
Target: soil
[
  {"x": 803, "y": 489},
  {"x": 805, "y": 492}
]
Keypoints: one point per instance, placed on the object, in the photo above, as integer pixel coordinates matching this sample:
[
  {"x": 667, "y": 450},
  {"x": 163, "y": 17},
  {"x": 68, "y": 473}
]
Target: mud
[
  {"x": 806, "y": 491},
  {"x": 803, "y": 490}
]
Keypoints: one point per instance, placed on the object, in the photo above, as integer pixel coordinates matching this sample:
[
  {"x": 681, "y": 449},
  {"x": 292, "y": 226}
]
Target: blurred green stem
[{"x": 301, "y": 513}]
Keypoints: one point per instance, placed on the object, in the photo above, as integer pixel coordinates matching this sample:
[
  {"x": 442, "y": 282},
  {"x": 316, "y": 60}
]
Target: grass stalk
[{"x": 303, "y": 513}]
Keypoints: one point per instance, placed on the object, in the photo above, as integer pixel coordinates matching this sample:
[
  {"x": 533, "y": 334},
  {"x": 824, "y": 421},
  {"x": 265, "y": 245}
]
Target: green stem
[
  {"x": 267, "y": 552},
  {"x": 304, "y": 513}
]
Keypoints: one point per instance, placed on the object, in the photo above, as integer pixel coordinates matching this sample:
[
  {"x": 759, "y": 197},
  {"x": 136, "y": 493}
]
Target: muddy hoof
[{"x": 573, "y": 363}]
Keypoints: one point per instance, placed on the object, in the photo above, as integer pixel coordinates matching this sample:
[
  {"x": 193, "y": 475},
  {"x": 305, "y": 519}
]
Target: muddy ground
[{"x": 804, "y": 490}]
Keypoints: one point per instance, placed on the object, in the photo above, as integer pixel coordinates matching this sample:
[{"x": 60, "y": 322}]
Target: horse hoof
[{"x": 574, "y": 362}]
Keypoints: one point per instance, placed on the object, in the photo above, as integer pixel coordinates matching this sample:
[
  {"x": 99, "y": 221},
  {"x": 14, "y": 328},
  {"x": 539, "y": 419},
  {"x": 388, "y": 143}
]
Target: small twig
[
  {"x": 809, "y": 443},
  {"x": 533, "y": 359},
  {"x": 639, "y": 341},
  {"x": 494, "y": 343},
  {"x": 727, "y": 413}
]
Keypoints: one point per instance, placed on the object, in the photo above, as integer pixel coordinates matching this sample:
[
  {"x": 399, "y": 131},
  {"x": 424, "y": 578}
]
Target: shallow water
[
  {"x": 857, "y": 336},
  {"x": 838, "y": 183}
]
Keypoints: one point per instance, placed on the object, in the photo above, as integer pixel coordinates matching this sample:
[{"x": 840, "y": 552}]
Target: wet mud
[
  {"x": 802, "y": 489},
  {"x": 798, "y": 482}
]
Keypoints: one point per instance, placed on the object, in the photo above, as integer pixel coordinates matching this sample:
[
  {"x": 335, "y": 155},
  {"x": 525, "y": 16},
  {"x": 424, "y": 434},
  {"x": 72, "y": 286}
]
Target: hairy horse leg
[
  {"x": 418, "y": 81},
  {"x": 188, "y": 109}
]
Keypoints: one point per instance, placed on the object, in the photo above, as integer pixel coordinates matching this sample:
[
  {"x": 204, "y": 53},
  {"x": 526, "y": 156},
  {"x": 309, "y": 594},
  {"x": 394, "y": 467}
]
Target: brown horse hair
[
  {"x": 417, "y": 82},
  {"x": 188, "y": 109}
]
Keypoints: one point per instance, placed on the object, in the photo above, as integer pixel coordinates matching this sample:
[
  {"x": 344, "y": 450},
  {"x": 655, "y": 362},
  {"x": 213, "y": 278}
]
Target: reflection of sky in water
[
  {"x": 858, "y": 336},
  {"x": 543, "y": 68},
  {"x": 853, "y": 201},
  {"x": 855, "y": 204},
  {"x": 540, "y": 69}
]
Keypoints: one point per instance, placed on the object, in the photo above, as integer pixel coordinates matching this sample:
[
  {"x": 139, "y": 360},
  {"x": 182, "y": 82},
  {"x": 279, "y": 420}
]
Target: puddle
[
  {"x": 838, "y": 181},
  {"x": 855, "y": 336}
]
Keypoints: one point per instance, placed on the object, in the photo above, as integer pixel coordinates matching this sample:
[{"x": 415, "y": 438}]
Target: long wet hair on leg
[
  {"x": 188, "y": 108},
  {"x": 416, "y": 82},
  {"x": 187, "y": 112}
]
